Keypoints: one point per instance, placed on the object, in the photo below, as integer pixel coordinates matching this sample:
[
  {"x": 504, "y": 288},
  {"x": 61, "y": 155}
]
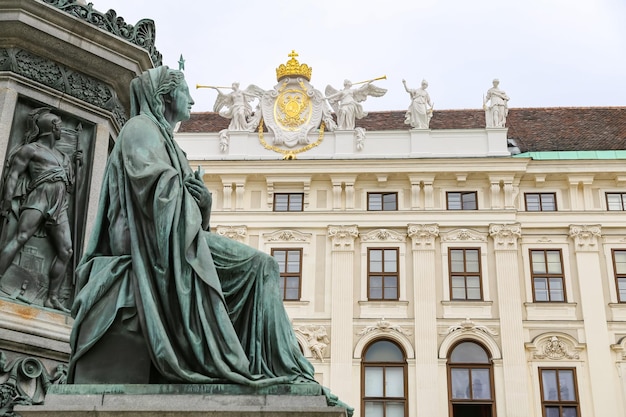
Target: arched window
[
  {"x": 383, "y": 376},
  {"x": 470, "y": 379}
]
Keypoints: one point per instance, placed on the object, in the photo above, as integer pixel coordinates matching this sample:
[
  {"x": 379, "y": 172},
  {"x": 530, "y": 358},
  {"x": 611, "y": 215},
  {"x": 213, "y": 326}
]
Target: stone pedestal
[{"x": 216, "y": 400}]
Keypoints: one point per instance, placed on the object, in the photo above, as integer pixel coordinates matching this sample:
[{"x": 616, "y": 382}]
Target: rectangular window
[
  {"x": 290, "y": 267},
  {"x": 382, "y": 274},
  {"x": 619, "y": 266},
  {"x": 382, "y": 201},
  {"x": 465, "y": 276},
  {"x": 288, "y": 201},
  {"x": 559, "y": 394},
  {"x": 616, "y": 201},
  {"x": 540, "y": 201},
  {"x": 462, "y": 200},
  {"x": 547, "y": 276}
]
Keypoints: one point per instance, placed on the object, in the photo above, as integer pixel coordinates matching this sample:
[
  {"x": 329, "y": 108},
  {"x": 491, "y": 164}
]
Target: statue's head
[
  {"x": 496, "y": 82},
  {"x": 424, "y": 83},
  {"x": 235, "y": 86},
  {"x": 43, "y": 122},
  {"x": 347, "y": 83}
]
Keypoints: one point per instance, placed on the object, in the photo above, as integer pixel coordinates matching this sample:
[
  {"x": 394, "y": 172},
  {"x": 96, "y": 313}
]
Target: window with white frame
[
  {"x": 465, "y": 274},
  {"x": 384, "y": 380},
  {"x": 290, "y": 267},
  {"x": 470, "y": 381},
  {"x": 559, "y": 394},
  {"x": 548, "y": 279},
  {"x": 619, "y": 268},
  {"x": 382, "y": 274}
]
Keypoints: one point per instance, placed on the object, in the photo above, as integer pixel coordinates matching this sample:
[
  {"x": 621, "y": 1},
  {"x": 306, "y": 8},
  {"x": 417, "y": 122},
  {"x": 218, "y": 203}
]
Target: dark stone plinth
[{"x": 189, "y": 400}]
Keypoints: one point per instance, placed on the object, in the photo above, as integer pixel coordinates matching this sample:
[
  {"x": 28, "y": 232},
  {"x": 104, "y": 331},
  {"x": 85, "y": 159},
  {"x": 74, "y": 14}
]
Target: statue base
[{"x": 191, "y": 400}]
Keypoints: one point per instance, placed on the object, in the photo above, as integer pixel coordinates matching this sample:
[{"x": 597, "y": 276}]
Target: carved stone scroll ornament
[
  {"x": 555, "y": 348},
  {"x": 468, "y": 325},
  {"x": 20, "y": 376},
  {"x": 237, "y": 233},
  {"x": 385, "y": 326},
  {"x": 585, "y": 236},
  {"x": 423, "y": 235},
  {"x": 343, "y": 236},
  {"x": 505, "y": 236}
]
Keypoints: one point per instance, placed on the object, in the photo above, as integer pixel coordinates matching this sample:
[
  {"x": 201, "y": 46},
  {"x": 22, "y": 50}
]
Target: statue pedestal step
[{"x": 189, "y": 400}]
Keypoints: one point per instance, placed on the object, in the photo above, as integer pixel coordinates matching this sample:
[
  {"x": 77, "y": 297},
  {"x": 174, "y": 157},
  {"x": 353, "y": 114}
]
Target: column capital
[
  {"x": 505, "y": 236},
  {"x": 585, "y": 237},
  {"x": 423, "y": 235},
  {"x": 343, "y": 236}
]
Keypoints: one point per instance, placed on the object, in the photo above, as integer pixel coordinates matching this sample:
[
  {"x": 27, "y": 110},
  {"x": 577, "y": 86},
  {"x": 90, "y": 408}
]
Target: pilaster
[
  {"x": 425, "y": 301},
  {"x": 602, "y": 371},
  {"x": 505, "y": 238},
  {"x": 342, "y": 305}
]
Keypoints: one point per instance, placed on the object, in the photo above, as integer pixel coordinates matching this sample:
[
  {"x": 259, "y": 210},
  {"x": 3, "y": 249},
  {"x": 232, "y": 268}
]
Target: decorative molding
[
  {"x": 464, "y": 235},
  {"x": 343, "y": 236},
  {"x": 316, "y": 338},
  {"x": 382, "y": 235},
  {"x": 142, "y": 34},
  {"x": 238, "y": 233},
  {"x": 555, "y": 347},
  {"x": 384, "y": 326},
  {"x": 63, "y": 79},
  {"x": 423, "y": 235},
  {"x": 359, "y": 135},
  {"x": 468, "y": 326},
  {"x": 287, "y": 236},
  {"x": 585, "y": 236},
  {"x": 505, "y": 236},
  {"x": 26, "y": 381},
  {"x": 224, "y": 140},
  {"x": 620, "y": 349}
]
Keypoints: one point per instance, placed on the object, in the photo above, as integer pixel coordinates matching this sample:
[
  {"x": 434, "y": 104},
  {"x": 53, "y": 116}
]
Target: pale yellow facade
[{"x": 335, "y": 230}]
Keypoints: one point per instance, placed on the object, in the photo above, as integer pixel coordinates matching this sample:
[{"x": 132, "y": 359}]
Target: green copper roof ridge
[{"x": 573, "y": 155}]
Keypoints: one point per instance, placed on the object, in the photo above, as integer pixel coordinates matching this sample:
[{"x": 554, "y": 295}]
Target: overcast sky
[{"x": 546, "y": 53}]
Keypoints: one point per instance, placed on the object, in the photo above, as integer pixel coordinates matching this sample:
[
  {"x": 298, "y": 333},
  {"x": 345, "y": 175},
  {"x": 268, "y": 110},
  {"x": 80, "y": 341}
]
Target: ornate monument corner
[
  {"x": 585, "y": 236},
  {"x": 555, "y": 347},
  {"x": 238, "y": 233},
  {"x": 20, "y": 376},
  {"x": 423, "y": 235},
  {"x": 464, "y": 235},
  {"x": 505, "y": 236},
  {"x": 287, "y": 236},
  {"x": 383, "y": 235},
  {"x": 343, "y": 236}
]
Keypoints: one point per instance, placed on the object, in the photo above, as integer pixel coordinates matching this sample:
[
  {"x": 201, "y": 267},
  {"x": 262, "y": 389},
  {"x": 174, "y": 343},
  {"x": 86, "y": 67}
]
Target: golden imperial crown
[{"x": 293, "y": 68}]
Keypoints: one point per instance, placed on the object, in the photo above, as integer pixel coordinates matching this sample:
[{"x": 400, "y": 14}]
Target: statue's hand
[{"x": 199, "y": 192}]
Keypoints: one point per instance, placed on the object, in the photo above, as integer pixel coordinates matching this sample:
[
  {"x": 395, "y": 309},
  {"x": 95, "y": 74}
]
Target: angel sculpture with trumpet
[
  {"x": 236, "y": 105},
  {"x": 345, "y": 102}
]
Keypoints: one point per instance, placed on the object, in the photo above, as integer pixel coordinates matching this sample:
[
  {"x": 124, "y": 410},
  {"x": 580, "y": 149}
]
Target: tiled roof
[{"x": 534, "y": 129}]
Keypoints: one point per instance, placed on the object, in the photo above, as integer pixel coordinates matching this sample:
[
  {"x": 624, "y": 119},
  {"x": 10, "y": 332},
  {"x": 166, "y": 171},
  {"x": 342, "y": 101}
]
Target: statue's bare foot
[{"x": 53, "y": 302}]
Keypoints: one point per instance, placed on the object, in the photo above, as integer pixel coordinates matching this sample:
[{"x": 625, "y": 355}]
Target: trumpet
[
  {"x": 384, "y": 77},
  {"x": 209, "y": 86}
]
